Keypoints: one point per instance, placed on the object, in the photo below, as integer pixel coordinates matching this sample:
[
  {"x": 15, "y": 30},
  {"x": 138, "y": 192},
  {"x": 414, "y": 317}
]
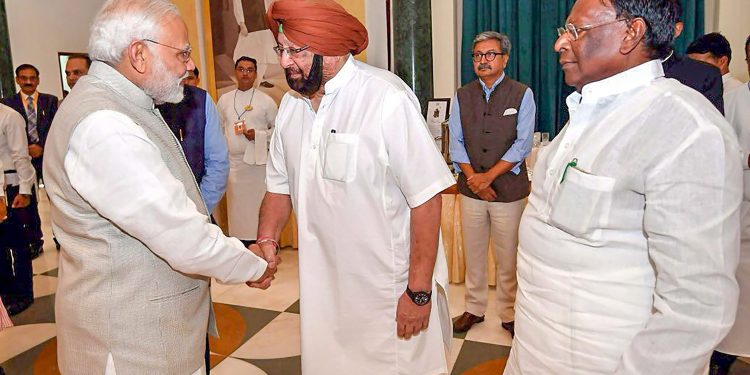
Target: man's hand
[
  {"x": 487, "y": 194},
  {"x": 35, "y": 151},
  {"x": 21, "y": 201},
  {"x": 479, "y": 181},
  {"x": 265, "y": 280},
  {"x": 3, "y": 210},
  {"x": 410, "y": 318},
  {"x": 250, "y": 134}
]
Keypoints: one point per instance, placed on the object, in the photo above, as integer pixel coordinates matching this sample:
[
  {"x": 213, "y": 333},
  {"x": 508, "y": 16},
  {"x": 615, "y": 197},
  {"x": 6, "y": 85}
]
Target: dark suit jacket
[
  {"x": 45, "y": 112},
  {"x": 702, "y": 77}
]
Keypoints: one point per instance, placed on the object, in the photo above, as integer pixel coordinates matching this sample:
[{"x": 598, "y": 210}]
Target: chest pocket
[
  {"x": 341, "y": 157},
  {"x": 583, "y": 204}
]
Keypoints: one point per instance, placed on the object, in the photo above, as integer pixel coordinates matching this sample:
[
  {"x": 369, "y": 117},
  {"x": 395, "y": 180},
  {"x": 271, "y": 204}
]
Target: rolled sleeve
[
  {"x": 215, "y": 159},
  {"x": 416, "y": 165},
  {"x": 525, "y": 125},
  {"x": 15, "y": 133},
  {"x": 277, "y": 178},
  {"x": 456, "y": 145},
  {"x": 120, "y": 172}
]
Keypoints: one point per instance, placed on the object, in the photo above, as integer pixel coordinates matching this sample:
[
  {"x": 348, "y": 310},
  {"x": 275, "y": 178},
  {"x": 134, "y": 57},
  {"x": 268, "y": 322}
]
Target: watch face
[{"x": 421, "y": 298}]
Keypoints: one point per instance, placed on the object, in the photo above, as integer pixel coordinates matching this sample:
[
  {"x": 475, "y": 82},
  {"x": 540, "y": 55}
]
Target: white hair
[{"x": 120, "y": 22}]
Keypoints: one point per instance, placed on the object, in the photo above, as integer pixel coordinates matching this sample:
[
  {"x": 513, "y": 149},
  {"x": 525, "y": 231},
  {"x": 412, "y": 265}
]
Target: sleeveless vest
[
  {"x": 187, "y": 120},
  {"x": 114, "y": 295},
  {"x": 489, "y": 134}
]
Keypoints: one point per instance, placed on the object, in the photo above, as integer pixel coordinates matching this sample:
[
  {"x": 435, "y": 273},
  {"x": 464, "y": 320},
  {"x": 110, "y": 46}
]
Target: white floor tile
[
  {"x": 284, "y": 290},
  {"x": 44, "y": 285}
]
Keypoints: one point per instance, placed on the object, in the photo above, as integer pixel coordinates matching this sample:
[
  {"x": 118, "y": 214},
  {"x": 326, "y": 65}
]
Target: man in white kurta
[
  {"x": 355, "y": 158},
  {"x": 714, "y": 49},
  {"x": 737, "y": 342},
  {"x": 630, "y": 239},
  {"x": 248, "y": 150}
]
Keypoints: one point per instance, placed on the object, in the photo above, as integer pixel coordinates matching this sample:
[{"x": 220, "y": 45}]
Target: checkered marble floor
[{"x": 259, "y": 329}]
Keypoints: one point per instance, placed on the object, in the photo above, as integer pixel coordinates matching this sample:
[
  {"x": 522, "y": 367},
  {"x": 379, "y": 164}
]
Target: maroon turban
[{"x": 324, "y": 25}]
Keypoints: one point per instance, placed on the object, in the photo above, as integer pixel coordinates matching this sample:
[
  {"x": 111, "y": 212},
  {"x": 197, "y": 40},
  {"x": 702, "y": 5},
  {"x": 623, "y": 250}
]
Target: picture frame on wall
[{"x": 437, "y": 112}]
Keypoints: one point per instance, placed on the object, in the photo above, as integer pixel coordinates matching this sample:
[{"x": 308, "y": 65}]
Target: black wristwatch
[{"x": 419, "y": 298}]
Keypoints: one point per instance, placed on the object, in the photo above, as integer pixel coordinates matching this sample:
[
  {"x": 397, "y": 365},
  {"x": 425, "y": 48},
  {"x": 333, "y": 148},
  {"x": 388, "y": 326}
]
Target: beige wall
[
  {"x": 444, "y": 48},
  {"x": 732, "y": 19},
  {"x": 39, "y": 29}
]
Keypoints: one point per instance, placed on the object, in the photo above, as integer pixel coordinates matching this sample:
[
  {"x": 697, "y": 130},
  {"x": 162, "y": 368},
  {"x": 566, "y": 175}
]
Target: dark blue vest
[{"x": 187, "y": 119}]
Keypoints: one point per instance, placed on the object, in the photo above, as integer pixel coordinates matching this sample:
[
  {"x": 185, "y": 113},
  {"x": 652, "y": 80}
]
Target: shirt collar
[
  {"x": 726, "y": 77},
  {"x": 120, "y": 84},
  {"x": 342, "y": 77},
  {"x": 494, "y": 85},
  {"x": 619, "y": 83}
]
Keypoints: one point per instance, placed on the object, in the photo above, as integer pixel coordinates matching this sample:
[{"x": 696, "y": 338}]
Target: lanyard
[{"x": 248, "y": 107}]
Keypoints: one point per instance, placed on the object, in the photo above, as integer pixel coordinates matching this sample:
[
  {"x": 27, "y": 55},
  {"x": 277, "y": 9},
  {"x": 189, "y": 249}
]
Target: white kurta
[
  {"x": 737, "y": 110},
  {"x": 730, "y": 83},
  {"x": 354, "y": 169},
  {"x": 247, "y": 159},
  {"x": 626, "y": 265}
]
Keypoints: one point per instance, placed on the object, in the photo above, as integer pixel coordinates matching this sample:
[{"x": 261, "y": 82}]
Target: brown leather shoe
[{"x": 465, "y": 321}]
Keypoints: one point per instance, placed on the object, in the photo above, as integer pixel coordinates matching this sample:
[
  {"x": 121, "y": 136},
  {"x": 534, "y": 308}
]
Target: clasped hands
[
  {"x": 267, "y": 251},
  {"x": 479, "y": 183}
]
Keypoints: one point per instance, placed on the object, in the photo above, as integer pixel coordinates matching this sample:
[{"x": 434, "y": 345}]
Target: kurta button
[
  {"x": 551, "y": 172},
  {"x": 484, "y": 150}
]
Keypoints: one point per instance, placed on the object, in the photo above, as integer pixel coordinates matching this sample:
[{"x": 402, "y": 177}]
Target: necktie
[{"x": 31, "y": 113}]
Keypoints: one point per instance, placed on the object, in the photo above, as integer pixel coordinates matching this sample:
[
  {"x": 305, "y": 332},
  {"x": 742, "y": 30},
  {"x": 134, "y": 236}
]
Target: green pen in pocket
[{"x": 572, "y": 163}]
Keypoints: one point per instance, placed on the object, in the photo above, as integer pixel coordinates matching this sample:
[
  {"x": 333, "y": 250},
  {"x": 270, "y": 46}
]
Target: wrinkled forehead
[{"x": 173, "y": 31}]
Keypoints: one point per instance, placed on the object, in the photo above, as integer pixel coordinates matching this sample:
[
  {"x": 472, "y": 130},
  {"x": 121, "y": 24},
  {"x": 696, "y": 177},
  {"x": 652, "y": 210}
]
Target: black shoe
[
  {"x": 16, "y": 305},
  {"x": 36, "y": 249},
  {"x": 510, "y": 327}
]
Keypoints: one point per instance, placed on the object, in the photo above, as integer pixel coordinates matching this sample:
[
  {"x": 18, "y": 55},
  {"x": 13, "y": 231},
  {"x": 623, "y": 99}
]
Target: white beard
[{"x": 163, "y": 88}]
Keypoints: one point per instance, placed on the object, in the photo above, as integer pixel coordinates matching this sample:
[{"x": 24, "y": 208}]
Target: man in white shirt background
[
  {"x": 16, "y": 183},
  {"x": 628, "y": 246},
  {"x": 138, "y": 247},
  {"x": 714, "y": 48},
  {"x": 248, "y": 117},
  {"x": 737, "y": 342}
]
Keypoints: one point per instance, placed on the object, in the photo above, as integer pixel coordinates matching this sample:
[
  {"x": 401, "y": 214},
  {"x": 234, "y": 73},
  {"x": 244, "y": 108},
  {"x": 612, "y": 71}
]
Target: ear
[
  {"x": 724, "y": 62},
  {"x": 678, "y": 29},
  {"x": 137, "y": 53},
  {"x": 636, "y": 30}
]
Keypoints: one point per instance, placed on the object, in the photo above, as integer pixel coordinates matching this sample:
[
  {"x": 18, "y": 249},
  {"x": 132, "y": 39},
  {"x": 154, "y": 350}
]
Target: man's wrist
[{"x": 269, "y": 242}]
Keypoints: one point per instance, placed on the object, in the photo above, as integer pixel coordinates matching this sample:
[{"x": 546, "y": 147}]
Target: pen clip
[
  {"x": 573, "y": 163},
  {"x": 333, "y": 131}
]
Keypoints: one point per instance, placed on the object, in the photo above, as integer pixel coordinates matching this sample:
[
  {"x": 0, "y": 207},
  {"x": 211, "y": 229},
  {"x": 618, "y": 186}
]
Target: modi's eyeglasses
[{"x": 183, "y": 53}]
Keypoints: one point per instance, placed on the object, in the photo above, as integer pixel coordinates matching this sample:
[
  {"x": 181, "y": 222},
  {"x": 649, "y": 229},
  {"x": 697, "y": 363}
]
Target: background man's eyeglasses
[
  {"x": 243, "y": 70},
  {"x": 487, "y": 55}
]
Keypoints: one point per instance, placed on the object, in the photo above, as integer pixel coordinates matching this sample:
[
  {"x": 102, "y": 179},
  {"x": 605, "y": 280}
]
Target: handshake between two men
[{"x": 267, "y": 249}]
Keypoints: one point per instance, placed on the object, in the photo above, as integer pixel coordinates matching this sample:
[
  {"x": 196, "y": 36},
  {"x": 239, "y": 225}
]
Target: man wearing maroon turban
[{"x": 352, "y": 154}]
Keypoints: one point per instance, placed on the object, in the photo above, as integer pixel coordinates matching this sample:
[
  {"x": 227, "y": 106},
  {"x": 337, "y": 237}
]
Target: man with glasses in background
[
  {"x": 491, "y": 125},
  {"x": 248, "y": 115},
  {"x": 628, "y": 246},
  {"x": 138, "y": 247}
]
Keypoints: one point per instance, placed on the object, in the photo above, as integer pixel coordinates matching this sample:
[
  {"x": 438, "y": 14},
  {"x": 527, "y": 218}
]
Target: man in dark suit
[
  {"x": 702, "y": 77},
  {"x": 37, "y": 110}
]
